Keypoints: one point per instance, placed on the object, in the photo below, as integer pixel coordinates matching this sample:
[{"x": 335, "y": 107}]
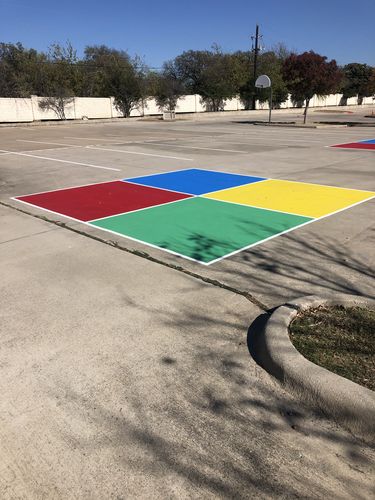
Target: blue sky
[{"x": 161, "y": 29}]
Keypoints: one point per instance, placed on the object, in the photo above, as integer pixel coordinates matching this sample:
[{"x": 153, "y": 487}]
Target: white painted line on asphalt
[
  {"x": 62, "y": 161},
  {"x": 44, "y": 149},
  {"x": 53, "y": 143},
  {"x": 90, "y": 138},
  {"x": 195, "y": 147},
  {"x": 138, "y": 153}
]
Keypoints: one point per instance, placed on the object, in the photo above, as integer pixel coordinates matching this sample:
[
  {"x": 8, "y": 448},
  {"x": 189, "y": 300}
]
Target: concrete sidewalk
[{"x": 121, "y": 378}]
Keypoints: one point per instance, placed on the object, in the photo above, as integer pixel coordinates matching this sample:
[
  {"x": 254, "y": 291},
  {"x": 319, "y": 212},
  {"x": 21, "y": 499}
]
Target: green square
[{"x": 201, "y": 229}]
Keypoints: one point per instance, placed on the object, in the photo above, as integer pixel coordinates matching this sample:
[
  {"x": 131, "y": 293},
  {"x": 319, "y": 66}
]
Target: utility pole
[{"x": 256, "y": 50}]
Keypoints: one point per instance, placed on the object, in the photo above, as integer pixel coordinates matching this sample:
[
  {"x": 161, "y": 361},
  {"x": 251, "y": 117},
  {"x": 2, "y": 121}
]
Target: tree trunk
[{"x": 305, "y": 112}]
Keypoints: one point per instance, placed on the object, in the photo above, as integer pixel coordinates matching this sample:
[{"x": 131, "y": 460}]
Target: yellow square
[{"x": 310, "y": 200}]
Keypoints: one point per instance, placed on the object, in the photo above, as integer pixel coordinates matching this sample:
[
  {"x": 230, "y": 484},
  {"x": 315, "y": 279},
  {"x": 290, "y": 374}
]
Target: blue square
[
  {"x": 369, "y": 141},
  {"x": 195, "y": 181}
]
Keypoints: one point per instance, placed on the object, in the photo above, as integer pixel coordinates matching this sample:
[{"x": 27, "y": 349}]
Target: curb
[
  {"x": 348, "y": 403},
  {"x": 56, "y": 123}
]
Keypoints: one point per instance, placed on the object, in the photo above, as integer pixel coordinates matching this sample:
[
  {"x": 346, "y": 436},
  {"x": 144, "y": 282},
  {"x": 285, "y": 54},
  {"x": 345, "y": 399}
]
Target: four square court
[{"x": 202, "y": 215}]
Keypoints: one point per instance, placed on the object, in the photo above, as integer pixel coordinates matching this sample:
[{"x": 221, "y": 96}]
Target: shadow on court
[{"x": 294, "y": 265}]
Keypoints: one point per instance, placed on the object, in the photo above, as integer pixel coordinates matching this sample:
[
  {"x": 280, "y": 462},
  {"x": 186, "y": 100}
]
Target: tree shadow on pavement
[
  {"x": 294, "y": 265},
  {"x": 205, "y": 420}
]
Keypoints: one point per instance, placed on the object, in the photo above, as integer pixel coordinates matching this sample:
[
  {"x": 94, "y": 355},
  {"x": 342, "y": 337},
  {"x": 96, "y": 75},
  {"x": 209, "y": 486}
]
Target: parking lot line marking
[
  {"x": 138, "y": 153},
  {"x": 52, "y": 143},
  {"x": 195, "y": 147},
  {"x": 62, "y": 161},
  {"x": 90, "y": 138},
  {"x": 43, "y": 149}
]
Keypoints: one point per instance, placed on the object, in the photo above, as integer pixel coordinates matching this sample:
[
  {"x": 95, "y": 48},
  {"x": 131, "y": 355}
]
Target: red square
[{"x": 101, "y": 200}]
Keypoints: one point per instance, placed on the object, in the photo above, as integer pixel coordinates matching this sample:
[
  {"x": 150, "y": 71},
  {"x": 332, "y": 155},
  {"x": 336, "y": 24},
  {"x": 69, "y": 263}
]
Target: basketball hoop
[{"x": 264, "y": 82}]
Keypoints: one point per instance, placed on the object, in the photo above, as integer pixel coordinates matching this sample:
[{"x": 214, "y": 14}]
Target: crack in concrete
[
  {"x": 28, "y": 236},
  {"x": 147, "y": 256}
]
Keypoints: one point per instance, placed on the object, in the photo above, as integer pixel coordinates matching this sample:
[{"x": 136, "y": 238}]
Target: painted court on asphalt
[
  {"x": 201, "y": 215},
  {"x": 220, "y": 193}
]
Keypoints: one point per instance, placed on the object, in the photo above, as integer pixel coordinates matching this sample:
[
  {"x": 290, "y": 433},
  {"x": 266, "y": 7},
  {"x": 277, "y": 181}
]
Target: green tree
[
  {"x": 357, "y": 81},
  {"x": 310, "y": 74},
  {"x": 62, "y": 79},
  {"x": 167, "y": 87},
  {"x": 21, "y": 71},
  {"x": 212, "y": 74},
  {"x": 269, "y": 63},
  {"x": 115, "y": 74}
]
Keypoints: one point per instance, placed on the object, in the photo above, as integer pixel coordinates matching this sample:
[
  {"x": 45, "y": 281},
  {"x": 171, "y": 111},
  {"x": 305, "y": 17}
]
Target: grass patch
[{"x": 341, "y": 339}]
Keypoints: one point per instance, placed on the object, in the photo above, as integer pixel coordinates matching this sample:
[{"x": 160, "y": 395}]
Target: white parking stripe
[
  {"x": 62, "y": 161},
  {"x": 91, "y": 138},
  {"x": 138, "y": 153},
  {"x": 195, "y": 147},
  {"x": 53, "y": 143}
]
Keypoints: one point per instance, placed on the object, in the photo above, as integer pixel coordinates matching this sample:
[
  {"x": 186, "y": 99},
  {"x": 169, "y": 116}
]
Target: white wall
[
  {"x": 28, "y": 110},
  {"x": 92, "y": 107},
  {"x": 16, "y": 110}
]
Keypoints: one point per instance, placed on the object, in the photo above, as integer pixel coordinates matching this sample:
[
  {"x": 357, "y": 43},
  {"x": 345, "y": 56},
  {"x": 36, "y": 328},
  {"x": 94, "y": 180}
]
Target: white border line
[
  {"x": 100, "y": 218},
  {"x": 337, "y": 146},
  {"x": 148, "y": 244},
  {"x": 286, "y": 180},
  {"x": 321, "y": 185},
  {"x": 261, "y": 179},
  {"x": 313, "y": 219},
  {"x": 143, "y": 208},
  {"x": 291, "y": 229},
  {"x": 156, "y": 187},
  {"x": 190, "y": 258},
  {"x": 110, "y": 231},
  {"x": 202, "y": 170},
  {"x": 254, "y": 206},
  {"x": 160, "y": 173},
  {"x": 63, "y": 189},
  {"x": 101, "y": 182},
  {"x": 47, "y": 210}
]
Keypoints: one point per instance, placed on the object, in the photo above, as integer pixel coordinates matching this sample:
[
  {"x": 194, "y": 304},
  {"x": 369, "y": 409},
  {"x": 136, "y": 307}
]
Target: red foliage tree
[{"x": 308, "y": 74}]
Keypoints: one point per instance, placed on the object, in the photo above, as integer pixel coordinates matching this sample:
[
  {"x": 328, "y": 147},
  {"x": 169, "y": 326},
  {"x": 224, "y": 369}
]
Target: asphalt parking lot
[{"x": 125, "y": 370}]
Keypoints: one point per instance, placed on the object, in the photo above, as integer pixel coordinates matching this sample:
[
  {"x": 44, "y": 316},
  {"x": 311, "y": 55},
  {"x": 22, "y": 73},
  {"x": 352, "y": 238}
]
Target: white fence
[{"x": 28, "y": 110}]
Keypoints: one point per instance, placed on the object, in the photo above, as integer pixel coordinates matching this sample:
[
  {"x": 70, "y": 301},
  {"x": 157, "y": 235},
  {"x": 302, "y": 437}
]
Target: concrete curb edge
[{"x": 348, "y": 403}]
